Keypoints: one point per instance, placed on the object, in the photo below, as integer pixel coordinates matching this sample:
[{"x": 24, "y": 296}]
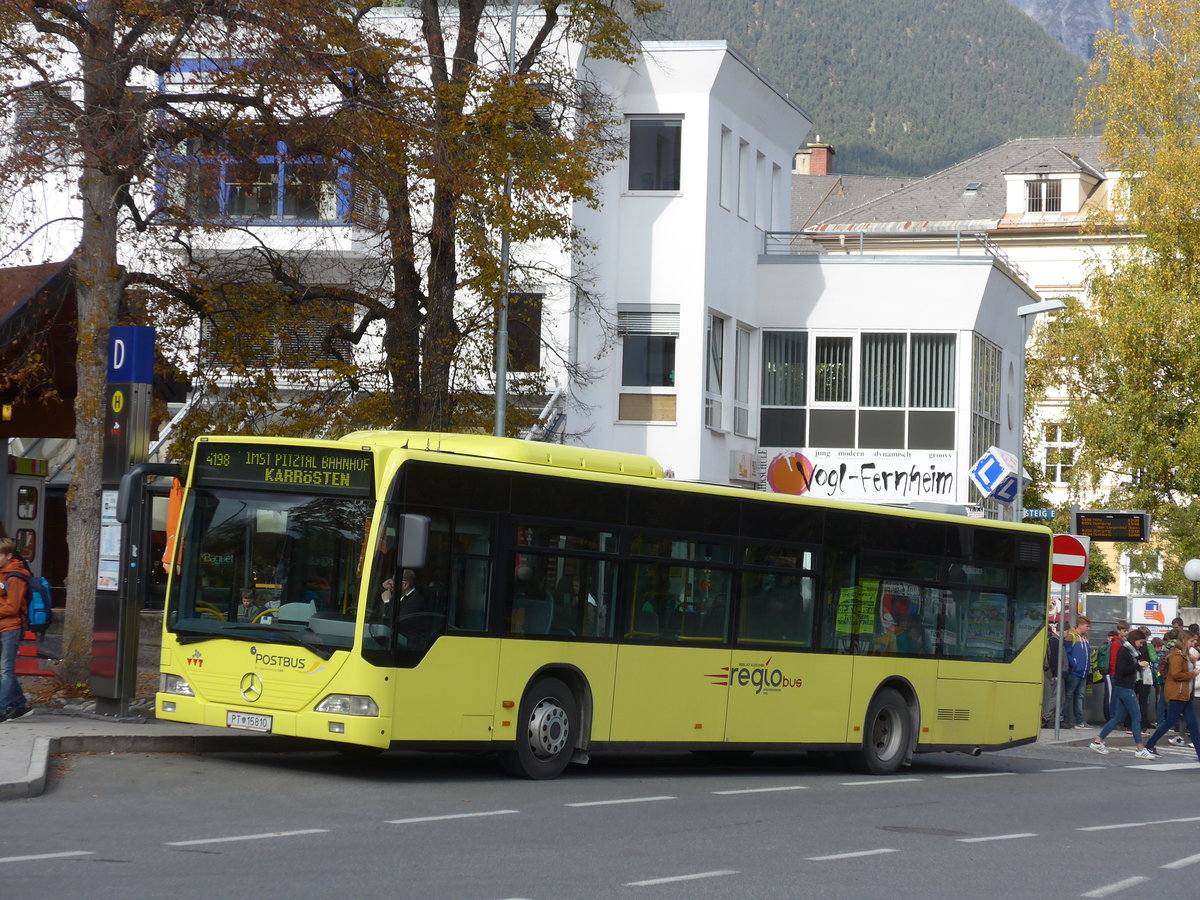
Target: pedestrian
[
  {"x": 1145, "y": 682},
  {"x": 1181, "y": 676},
  {"x": 1116, "y": 638},
  {"x": 1079, "y": 655},
  {"x": 1126, "y": 669},
  {"x": 1054, "y": 666},
  {"x": 1157, "y": 662},
  {"x": 14, "y": 599}
]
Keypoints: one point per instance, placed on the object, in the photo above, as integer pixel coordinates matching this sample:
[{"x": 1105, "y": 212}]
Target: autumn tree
[
  {"x": 445, "y": 153},
  {"x": 135, "y": 106},
  {"x": 89, "y": 106},
  {"x": 1129, "y": 355}
]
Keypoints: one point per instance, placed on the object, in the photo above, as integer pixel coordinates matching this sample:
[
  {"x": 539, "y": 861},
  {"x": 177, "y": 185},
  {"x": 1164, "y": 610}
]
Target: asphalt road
[{"x": 1037, "y": 822}]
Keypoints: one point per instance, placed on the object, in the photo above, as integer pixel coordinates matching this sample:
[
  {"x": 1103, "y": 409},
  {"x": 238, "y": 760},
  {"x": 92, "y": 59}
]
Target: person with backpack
[{"x": 14, "y": 591}]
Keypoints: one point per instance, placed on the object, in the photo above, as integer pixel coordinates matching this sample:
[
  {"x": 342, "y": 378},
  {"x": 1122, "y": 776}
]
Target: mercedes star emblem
[{"x": 252, "y": 687}]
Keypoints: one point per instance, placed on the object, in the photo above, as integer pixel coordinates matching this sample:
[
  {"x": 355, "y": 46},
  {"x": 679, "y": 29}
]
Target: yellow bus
[{"x": 462, "y": 592}]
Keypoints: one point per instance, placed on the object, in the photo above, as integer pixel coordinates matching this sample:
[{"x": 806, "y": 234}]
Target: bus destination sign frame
[
  {"x": 1123, "y": 526},
  {"x": 286, "y": 467}
]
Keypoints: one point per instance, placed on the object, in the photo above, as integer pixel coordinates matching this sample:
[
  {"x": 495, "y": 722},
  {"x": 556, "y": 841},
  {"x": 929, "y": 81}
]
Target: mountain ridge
[{"x": 899, "y": 87}]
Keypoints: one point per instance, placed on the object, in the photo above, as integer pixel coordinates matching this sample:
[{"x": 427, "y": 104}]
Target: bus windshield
[{"x": 269, "y": 567}]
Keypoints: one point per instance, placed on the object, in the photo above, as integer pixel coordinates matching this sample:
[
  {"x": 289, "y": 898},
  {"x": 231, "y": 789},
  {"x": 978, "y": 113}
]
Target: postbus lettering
[{"x": 282, "y": 662}]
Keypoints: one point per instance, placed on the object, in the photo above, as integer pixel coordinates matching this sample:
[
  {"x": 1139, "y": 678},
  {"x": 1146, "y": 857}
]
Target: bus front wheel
[
  {"x": 886, "y": 734},
  {"x": 547, "y": 725}
]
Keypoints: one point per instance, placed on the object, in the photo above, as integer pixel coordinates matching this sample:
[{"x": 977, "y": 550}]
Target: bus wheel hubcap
[
  {"x": 548, "y": 731},
  {"x": 886, "y": 734}
]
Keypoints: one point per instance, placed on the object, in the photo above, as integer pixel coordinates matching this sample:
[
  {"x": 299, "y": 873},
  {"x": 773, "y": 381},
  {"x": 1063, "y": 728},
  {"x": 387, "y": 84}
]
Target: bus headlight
[
  {"x": 348, "y": 705},
  {"x": 173, "y": 684}
]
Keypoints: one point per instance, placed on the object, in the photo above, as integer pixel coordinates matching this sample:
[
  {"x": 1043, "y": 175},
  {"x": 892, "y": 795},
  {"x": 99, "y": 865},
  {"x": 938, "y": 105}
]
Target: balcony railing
[{"x": 817, "y": 243}]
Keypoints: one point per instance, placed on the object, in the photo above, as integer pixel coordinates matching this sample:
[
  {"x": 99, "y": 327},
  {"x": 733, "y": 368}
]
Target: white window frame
[
  {"x": 742, "y": 361},
  {"x": 630, "y": 121},
  {"x": 714, "y": 370}
]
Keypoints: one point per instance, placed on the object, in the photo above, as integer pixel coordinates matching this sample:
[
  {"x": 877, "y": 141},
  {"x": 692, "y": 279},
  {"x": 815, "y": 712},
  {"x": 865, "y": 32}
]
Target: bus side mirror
[
  {"x": 132, "y": 482},
  {"x": 414, "y": 540}
]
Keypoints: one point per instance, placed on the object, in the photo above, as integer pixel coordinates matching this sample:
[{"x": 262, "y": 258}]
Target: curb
[{"x": 43, "y": 748}]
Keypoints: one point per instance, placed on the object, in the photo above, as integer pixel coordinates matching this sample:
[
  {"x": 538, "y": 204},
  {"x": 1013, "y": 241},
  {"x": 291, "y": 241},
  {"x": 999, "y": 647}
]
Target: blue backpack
[{"x": 38, "y": 608}]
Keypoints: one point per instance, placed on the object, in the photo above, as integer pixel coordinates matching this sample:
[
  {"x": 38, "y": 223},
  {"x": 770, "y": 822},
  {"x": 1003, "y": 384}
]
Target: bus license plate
[{"x": 248, "y": 721}]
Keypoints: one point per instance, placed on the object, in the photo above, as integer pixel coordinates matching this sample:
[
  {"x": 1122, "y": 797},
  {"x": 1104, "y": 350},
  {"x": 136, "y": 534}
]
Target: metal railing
[{"x": 820, "y": 243}]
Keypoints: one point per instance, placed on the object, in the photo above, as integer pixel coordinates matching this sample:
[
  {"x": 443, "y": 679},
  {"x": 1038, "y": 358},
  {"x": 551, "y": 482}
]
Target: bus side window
[{"x": 646, "y": 599}]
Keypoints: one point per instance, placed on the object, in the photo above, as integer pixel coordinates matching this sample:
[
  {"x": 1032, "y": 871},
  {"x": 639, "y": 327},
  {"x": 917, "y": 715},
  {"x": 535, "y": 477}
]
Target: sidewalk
[{"x": 70, "y": 725}]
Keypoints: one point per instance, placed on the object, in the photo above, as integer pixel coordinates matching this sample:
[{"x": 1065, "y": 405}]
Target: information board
[
  {"x": 1105, "y": 525},
  {"x": 313, "y": 470}
]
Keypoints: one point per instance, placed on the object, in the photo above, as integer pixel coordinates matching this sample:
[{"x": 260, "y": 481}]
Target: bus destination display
[
  {"x": 320, "y": 470},
  {"x": 1133, "y": 527}
]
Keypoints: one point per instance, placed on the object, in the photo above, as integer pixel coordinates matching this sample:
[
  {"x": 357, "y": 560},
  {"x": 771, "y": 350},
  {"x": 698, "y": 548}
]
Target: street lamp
[
  {"x": 1191, "y": 571},
  {"x": 1025, "y": 313}
]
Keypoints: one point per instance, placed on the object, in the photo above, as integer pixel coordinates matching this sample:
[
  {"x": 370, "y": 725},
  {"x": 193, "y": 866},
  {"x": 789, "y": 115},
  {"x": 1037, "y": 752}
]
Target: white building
[{"x": 740, "y": 359}]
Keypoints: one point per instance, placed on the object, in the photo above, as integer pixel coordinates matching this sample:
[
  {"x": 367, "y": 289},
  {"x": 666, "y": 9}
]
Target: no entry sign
[{"x": 1070, "y": 559}]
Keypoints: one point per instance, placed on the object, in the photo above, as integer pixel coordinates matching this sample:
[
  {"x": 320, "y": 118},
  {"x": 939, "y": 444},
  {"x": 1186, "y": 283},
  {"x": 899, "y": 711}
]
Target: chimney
[{"x": 815, "y": 158}]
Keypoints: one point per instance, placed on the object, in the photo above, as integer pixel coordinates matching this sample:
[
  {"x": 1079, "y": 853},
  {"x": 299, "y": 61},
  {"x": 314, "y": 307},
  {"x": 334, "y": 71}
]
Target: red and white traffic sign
[{"x": 1070, "y": 560}]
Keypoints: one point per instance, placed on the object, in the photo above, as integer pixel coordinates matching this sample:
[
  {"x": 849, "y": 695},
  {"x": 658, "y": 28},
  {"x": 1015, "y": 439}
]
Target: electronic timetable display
[{"x": 318, "y": 470}]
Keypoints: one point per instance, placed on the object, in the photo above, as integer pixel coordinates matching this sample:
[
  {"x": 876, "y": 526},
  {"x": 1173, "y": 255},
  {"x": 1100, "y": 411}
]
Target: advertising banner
[{"x": 873, "y": 476}]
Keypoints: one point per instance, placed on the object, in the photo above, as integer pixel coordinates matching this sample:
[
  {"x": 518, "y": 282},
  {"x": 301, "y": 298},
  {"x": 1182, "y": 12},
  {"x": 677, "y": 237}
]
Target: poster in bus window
[
  {"x": 987, "y": 625},
  {"x": 856, "y": 608}
]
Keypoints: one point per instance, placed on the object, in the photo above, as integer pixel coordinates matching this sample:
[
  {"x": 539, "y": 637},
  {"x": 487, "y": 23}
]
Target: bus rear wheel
[
  {"x": 548, "y": 723},
  {"x": 886, "y": 734}
]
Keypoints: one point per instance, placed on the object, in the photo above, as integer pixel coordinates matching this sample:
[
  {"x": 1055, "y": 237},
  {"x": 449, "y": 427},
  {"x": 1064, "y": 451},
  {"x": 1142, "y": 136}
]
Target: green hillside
[{"x": 899, "y": 87}]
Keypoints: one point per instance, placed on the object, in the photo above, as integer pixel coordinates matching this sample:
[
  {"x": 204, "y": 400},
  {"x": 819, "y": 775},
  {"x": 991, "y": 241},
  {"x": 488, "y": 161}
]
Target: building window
[
  {"x": 648, "y": 334},
  {"x": 783, "y": 417},
  {"x": 714, "y": 371},
  {"x": 745, "y": 181},
  {"x": 741, "y": 382},
  {"x": 253, "y": 328},
  {"x": 272, "y": 187},
  {"x": 728, "y": 175},
  {"x": 931, "y": 392},
  {"x": 655, "y": 149},
  {"x": 832, "y": 370},
  {"x": 1043, "y": 195},
  {"x": 882, "y": 376},
  {"x": 524, "y": 332},
  {"x": 1060, "y": 447},
  {"x": 985, "y": 405}
]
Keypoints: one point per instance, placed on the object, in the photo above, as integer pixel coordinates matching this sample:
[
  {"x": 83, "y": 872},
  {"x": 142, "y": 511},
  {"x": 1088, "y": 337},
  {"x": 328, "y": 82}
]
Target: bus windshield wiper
[{"x": 274, "y": 632}]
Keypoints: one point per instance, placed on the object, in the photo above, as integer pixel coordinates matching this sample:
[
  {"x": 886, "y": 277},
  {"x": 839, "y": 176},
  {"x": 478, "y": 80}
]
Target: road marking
[
  {"x": 470, "y": 815},
  {"x": 66, "y": 854},
  {"x": 1166, "y": 767},
  {"x": 997, "y": 837},
  {"x": 1182, "y": 863},
  {"x": 698, "y": 875},
  {"x": 853, "y": 855},
  {"x": 1070, "y": 769},
  {"x": 790, "y": 787},
  {"x": 982, "y": 775},
  {"x": 247, "y": 837},
  {"x": 877, "y": 781},
  {"x": 616, "y": 802},
  {"x": 1116, "y": 887},
  {"x": 1137, "y": 824}
]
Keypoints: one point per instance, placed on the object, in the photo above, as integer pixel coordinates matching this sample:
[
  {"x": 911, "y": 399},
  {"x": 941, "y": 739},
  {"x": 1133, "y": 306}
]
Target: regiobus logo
[{"x": 759, "y": 676}]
